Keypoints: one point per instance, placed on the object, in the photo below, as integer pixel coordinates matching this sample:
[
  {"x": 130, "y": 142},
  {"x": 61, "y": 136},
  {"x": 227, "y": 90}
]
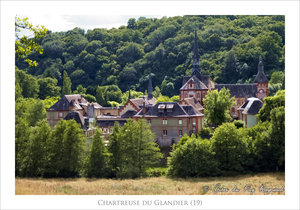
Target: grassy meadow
[{"x": 152, "y": 186}]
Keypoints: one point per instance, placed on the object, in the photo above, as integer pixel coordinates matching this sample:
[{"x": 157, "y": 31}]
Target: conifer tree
[
  {"x": 66, "y": 90},
  {"x": 97, "y": 162},
  {"x": 114, "y": 148}
]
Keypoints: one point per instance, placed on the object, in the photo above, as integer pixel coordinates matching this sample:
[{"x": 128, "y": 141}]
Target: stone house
[{"x": 170, "y": 121}]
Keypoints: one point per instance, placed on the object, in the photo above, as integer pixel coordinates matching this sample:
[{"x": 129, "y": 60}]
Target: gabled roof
[
  {"x": 68, "y": 100},
  {"x": 110, "y": 123},
  {"x": 77, "y": 117},
  {"x": 239, "y": 90},
  {"x": 199, "y": 85},
  {"x": 129, "y": 114},
  {"x": 193, "y": 102},
  {"x": 251, "y": 106},
  {"x": 177, "y": 110}
]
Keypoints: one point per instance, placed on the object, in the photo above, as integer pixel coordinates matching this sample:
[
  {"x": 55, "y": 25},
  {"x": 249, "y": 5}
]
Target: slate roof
[
  {"x": 260, "y": 77},
  {"x": 129, "y": 114},
  {"x": 193, "y": 102},
  {"x": 110, "y": 123},
  {"x": 239, "y": 90},
  {"x": 66, "y": 101},
  {"x": 201, "y": 81},
  {"x": 177, "y": 111},
  {"x": 251, "y": 106},
  {"x": 77, "y": 117}
]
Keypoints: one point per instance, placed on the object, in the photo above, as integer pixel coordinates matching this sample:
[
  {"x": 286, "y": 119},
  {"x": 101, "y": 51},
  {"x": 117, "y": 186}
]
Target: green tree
[
  {"x": 80, "y": 90},
  {"x": 230, "y": 148},
  {"x": 24, "y": 45},
  {"x": 36, "y": 150},
  {"x": 277, "y": 77},
  {"x": 114, "y": 147},
  {"x": 97, "y": 161},
  {"x": 138, "y": 151},
  {"x": 195, "y": 158},
  {"x": 270, "y": 103},
  {"x": 47, "y": 87},
  {"x": 66, "y": 90},
  {"x": 27, "y": 83},
  {"x": 217, "y": 104},
  {"x": 65, "y": 150}
]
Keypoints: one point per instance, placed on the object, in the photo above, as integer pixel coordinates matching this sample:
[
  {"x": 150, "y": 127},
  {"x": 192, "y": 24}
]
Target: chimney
[{"x": 144, "y": 108}]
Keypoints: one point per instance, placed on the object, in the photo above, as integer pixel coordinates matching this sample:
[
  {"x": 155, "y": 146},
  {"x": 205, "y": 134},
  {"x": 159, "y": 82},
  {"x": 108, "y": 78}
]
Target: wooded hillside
[{"x": 229, "y": 47}]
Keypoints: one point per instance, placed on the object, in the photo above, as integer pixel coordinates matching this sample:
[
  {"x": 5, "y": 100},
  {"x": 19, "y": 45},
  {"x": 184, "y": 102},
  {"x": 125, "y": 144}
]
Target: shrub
[
  {"x": 230, "y": 147},
  {"x": 238, "y": 123},
  {"x": 195, "y": 158},
  {"x": 156, "y": 172},
  {"x": 205, "y": 133}
]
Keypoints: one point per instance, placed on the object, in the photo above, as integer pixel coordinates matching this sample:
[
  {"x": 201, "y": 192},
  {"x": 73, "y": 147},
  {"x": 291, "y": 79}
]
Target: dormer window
[{"x": 161, "y": 107}]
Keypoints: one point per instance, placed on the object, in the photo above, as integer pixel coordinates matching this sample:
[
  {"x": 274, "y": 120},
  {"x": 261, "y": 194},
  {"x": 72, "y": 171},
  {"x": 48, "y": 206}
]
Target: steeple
[
  {"x": 129, "y": 95},
  {"x": 260, "y": 77},
  {"x": 196, "y": 64},
  {"x": 150, "y": 89}
]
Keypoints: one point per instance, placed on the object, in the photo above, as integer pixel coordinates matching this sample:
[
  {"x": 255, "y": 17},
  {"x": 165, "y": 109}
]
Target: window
[
  {"x": 60, "y": 114},
  {"x": 198, "y": 95},
  {"x": 149, "y": 121},
  {"x": 180, "y": 133},
  {"x": 191, "y": 85},
  {"x": 165, "y": 132},
  {"x": 165, "y": 121},
  {"x": 180, "y": 122}
]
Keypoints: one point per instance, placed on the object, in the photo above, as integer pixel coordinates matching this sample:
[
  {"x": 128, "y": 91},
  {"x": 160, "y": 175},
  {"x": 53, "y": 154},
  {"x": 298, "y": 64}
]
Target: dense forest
[{"x": 122, "y": 59}]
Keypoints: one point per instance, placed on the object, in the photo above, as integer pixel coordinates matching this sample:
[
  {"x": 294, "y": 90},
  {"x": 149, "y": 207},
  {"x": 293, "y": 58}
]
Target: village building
[
  {"x": 169, "y": 121},
  {"x": 197, "y": 85},
  {"x": 248, "y": 111}
]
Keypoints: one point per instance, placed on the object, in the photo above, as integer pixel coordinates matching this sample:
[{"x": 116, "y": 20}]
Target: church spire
[
  {"x": 260, "y": 65},
  {"x": 150, "y": 88},
  {"x": 260, "y": 77},
  {"x": 196, "y": 64}
]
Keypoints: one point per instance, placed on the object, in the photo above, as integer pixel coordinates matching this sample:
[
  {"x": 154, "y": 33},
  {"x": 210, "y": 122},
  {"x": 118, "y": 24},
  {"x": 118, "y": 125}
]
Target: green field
[{"x": 153, "y": 186}]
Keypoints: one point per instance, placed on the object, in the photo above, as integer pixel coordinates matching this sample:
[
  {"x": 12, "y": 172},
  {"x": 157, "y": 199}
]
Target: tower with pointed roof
[
  {"x": 196, "y": 85},
  {"x": 261, "y": 81}
]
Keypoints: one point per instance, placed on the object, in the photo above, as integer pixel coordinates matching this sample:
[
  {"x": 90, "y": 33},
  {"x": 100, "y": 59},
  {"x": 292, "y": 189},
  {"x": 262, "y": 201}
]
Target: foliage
[
  {"x": 134, "y": 94},
  {"x": 239, "y": 123},
  {"x": 27, "y": 84},
  {"x": 229, "y": 47},
  {"x": 269, "y": 104},
  {"x": 66, "y": 90},
  {"x": 230, "y": 148},
  {"x": 277, "y": 77},
  {"x": 97, "y": 161},
  {"x": 194, "y": 158},
  {"x": 49, "y": 101},
  {"x": 27, "y": 45},
  {"x": 48, "y": 88},
  {"x": 205, "y": 133},
  {"x": 34, "y": 158},
  {"x": 217, "y": 104},
  {"x": 114, "y": 147},
  {"x": 104, "y": 94},
  {"x": 65, "y": 150},
  {"x": 138, "y": 150},
  {"x": 156, "y": 172}
]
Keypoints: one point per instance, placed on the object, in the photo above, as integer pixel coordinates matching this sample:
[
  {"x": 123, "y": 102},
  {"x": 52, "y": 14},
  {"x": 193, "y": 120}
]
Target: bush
[
  {"x": 238, "y": 123},
  {"x": 230, "y": 147},
  {"x": 156, "y": 172},
  {"x": 205, "y": 133},
  {"x": 195, "y": 158}
]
